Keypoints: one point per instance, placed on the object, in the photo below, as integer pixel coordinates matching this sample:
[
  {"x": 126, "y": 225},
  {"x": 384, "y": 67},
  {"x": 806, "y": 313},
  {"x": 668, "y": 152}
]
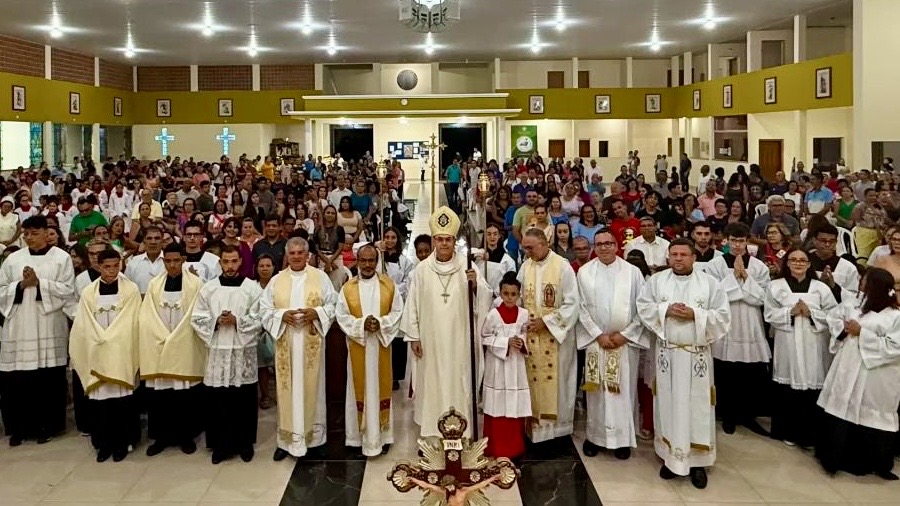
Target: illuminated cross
[
  {"x": 226, "y": 139},
  {"x": 164, "y": 139}
]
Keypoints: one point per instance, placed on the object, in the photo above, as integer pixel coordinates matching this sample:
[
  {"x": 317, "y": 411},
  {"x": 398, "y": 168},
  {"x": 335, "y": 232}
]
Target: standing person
[
  {"x": 838, "y": 273},
  {"x": 550, "y": 294},
  {"x": 36, "y": 283},
  {"x": 399, "y": 268},
  {"x": 684, "y": 171},
  {"x": 498, "y": 262},
  {"x": 368, "y": 311},
  {"x": 702, "y": 236},
  {"x": 104, "y": 350},
  {"x": 172, "y": 357},
  {"x": 82, "y": 227},
  {"x": 141, "y": 269},
  {"x": 507, "y": 401},
  {"x": 265, "y": 351},
  {"x": 654, "y": 248},
  {"x": 226, "y": 318},
  {"x": 435, "y": 323},
  {"x": 454, "y": 177},
  {"x": 612, "y": 335},
  {"x": 742, "y": 357},
  {"x": 297, "y": 307},
  {"x": 860, "y": 423},
  {"x": 687, "y": 311},
  {"x": 623, "y": 226},
  {"x": 202, "y": 263}
]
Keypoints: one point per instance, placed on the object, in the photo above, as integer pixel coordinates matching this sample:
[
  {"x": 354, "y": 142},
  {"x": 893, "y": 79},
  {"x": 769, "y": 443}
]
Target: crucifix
[
  {"x": 432, "y": 152},
  {"x": 453, "y": 466},
  {"x": 226, "y": 139},
  {"x": 164, "y": 138}
]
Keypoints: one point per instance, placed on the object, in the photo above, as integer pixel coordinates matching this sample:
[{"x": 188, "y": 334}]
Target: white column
[
  {"x": 753, "y": 51},
  {"x": 688, "y": 78},
  {"x": 48, "y": 65},
  {"x": 629, "y": 136},
  {"x": 436, "y": 78},
  {"x": 134, "y": 79},
  {"x": 195, "y": 78},
  {"x": 574, "y": 142},
  {"x": 804, "y": 151},
  {"x": 675, "y": 65},
  {"x": 95, "y": 142},
  {"x": 688, "y": 140},
  {"x": 712, "y": 62},
  {"x": 711, "y": 139},
  {"x": 799, "y": 38},
  {"x": 575, "y": 72},
  {"x": 47, "y": 135},
  {"x": 319, "y": 76},
  {"x": 308, "y": 137},
  {"x": 497, "y": 83},
  {"x": 676, "y": 134},
  {"x": 96, "y": 71},
  {"x": 502, "y": 153},
  {"x": 629, "y": 72},
  {"x": 254, "y": 77}
]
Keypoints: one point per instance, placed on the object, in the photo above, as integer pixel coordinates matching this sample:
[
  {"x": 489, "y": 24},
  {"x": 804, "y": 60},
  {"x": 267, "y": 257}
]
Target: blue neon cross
[
  {"x": 226, "y": 139},
  {"x": 164, "y": 139}
]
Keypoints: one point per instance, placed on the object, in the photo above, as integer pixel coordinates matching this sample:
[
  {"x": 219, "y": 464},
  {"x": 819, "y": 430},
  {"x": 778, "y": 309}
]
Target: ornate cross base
[{"x": 453, "y": 470}]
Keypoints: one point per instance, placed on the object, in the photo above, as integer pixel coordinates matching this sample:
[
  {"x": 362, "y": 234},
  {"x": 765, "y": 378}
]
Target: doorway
[
  {"x": 352, "y": 141},
  {"x": 827, "y": 151},
  {"x": 770, "y": 158},
  {"x": 461, "y": 141},
  {"x": 557, "y": 148}
]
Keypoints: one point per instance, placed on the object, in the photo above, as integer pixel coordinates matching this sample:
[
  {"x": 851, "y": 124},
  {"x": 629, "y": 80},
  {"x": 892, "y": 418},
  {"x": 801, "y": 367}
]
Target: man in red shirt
[{"x": 623, "y": 226}]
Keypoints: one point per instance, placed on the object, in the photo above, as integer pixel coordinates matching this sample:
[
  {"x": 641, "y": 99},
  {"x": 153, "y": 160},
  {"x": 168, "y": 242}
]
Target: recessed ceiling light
[
  {"x": 560, "y": 25},
  {"x": 331, "y": 50},
  {"x": 129, "y": 53},
  {"x": 306, "y": 30},
  {"x": 535, "y": 48},
  {"x": 208, "y": 31},
  {"x": 709, "y": 24},
  {"x": 252, "y": 52},
  {"x": 55, "y": 32}
]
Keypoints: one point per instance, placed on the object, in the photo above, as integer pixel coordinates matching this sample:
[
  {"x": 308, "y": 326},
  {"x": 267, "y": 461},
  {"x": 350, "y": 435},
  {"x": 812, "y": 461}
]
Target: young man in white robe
[
  {"x": 202, "y": 263},
  {"x": 742, "y": 357},
  {"x": 702, "y": 236},
  {"x": 104, "y": 350},
  {"x": 550, "y": 294},
  {"x": 838, "y": 273},
  {"x": 613, "y": 337},
  {"x": 498, "y": 261},
  {"x": 226, "y": 318},
  {"x": 436, "y": 324},
  {"x": 368, "y": 311},
  {"x": 687, "y": 311},
  {"x": 173, "y": 358},
  {"x": 36, "y": 283},
  {"x": 297, "y": 309}
]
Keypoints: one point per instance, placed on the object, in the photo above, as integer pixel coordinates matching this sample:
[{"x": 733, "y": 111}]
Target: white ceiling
[{"x": 168, "y": 32}]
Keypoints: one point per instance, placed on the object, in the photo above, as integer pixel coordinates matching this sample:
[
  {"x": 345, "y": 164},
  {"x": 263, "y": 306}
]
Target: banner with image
[{"x": 524, "y": 140}]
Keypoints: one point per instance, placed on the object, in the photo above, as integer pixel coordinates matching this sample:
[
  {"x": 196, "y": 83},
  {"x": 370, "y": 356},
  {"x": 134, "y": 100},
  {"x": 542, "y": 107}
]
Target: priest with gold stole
[
  {"x": 550, "y": 294},
  {"x": 368, "y": 311},
  {"x": 104, "y": 349},
  {"x": 612, "y": 336},
  {"x": 173, "y": 358},
  {"x": 436, "y": 323},
  {"x": 297, "y": 309}
]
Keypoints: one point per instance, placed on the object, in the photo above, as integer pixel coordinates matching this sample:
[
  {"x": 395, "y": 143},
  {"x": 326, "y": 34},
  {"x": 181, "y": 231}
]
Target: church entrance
[
  {"x": 352, "y": 141},
  {"x": 461, "y": 141}
]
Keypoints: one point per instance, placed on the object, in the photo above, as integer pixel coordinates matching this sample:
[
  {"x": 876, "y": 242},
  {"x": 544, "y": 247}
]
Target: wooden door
[
  {"x": 556, "y": 79},
  {"x": 877, "y": 154},
  {"x": 584, "y": 78},
  {"x": 584, "y": 148},
  {"x": 557, "y": 148},
  {"x": 770, "y": 158}
]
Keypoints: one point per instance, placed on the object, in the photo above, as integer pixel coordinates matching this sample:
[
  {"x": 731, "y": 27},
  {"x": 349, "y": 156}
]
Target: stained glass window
[{"x": 36, "y": 138}]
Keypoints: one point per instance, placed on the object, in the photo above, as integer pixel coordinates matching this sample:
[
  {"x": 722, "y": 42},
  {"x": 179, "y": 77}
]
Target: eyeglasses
[
  {"x": 606, "y": 244},
  {"x": 827, "y": 241},
  {"x": 799, "y": 261}
]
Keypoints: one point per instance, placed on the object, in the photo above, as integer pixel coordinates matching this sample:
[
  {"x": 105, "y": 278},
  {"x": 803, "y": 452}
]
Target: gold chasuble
[
  {"x": 106, "y": 355},
  {"x": 177, "y": 354},
  {"x": 542, "y": 363},
  {"x": 357, "y": 354},
  {"x": 312, "y": 296}
]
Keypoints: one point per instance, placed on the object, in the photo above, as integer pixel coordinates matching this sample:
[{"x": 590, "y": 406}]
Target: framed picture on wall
[
  {"x": 823, "y": 82},
  {"x": 117, "y": 106},
  {"x": 771, "y": 91},
  {"x": 536, "y": 104},
  {"x": 18, "y": 98},
  {"x": 286, "y": 106},
  {"x": 226, "y": 108},
  {"x": 652, "y": 103},
  {"x": 163, "y": 108},
  {"x": 726, "y": 96},
  {"x": 602, "y": 104},
  {"x": 696, "y": 100},
  {"x": 74, "y": 103}
]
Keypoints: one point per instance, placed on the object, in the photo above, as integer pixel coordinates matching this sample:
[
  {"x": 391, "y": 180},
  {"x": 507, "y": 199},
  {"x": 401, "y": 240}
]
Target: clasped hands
[
  {"x": 226, "y": 319},
  {"x": 800, "y": 309},
  {"x": 29, "y": 278},
  {"x": 680, "y": 311},
  {"x": 299, "y": 317},
  {"x": 852, "y": 328},
  {"x": 740, "y": 271},
  {"x": 516, "y": 344},
  {"x": 610, "y": 340}
]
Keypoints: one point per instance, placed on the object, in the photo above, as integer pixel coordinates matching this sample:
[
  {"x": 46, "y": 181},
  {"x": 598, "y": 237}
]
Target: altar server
[
  {"x": 838, "y": 273},
  {"x": 202, "y": 263},
  {"x": 498, "y": 261}
]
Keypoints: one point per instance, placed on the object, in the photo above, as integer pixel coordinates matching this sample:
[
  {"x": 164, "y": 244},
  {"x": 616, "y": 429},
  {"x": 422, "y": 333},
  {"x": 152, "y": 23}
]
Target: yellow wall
[
  {"x": 47, "y": 100},
  {"x": 202, "y": 107},
  {"x": 572, "y": 103}
]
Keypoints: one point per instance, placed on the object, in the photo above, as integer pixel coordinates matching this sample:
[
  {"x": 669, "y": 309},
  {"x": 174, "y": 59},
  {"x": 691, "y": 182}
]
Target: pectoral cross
[{"x": 445, "y": 295}]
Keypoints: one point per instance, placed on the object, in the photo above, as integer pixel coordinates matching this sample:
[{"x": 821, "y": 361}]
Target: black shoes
[
  {"x": 15, "y": 441},
  {"x": 218, "y": 457},
  {"x": 279, "y": 455},
  {"x": 385, "y": 449},
  {"x": 44, "y": 440},
  {"x": 590, "y": 449},
  {"x": 887, "y": 475},
  {"x": 728, "y": 427},
  {"x": 155, "y": 449},
  {"x": 622, "y": 453},
  {"x": 189, "y": 447},
  {"x": 666, "y": 473},
  {"x": 103, "y": 455},
  {"x": 756, "y": 428},
  {"x": 395, "y": 386},
  {"x": 698, "y": 477},
  {"x": 247, "y": 454},
  {"x": 119, "y": 455}
]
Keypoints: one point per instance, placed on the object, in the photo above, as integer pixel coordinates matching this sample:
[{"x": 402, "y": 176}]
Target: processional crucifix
[{"x": 432, "y": 152}]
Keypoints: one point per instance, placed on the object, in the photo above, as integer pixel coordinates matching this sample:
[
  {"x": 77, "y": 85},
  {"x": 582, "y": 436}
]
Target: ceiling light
[
  {"x": 429, "y": 44},
  {"x": 252, "y": 52},
  {"x": 560, "y": 25},
  {"x": 709, "y": 24},
  {"x": 655, "y": 46},
  {"x": 535, "y": 48},
  {"x": 331, "y": 50},
  {"x": 306, "y": 30},
  {"x": 129, "y": 53},
  {"x": 208, "y": 31},
  {"x": 55, "y": 32}
]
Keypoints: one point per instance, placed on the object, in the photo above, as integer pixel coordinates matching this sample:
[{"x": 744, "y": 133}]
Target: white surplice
[
  {"x": 607, "y": 303},
  {"x": 845, "y": 276},
  {"x": 495, "y": 270},
  {"x": 560, "y": 323},
  {"x": 506, "y": 390},
  {"x": 36, "y": 332},
  {"x": 802, "y": 355},
  {"x": 232, "y": 358},
  {"x": 442, "y": 377},
  {"x": 207, "y": 268},
  {"x": 374, "y": 437},
  {"x": 746, "y": 340},
  {"x": 683, "y": 412},
  {"x": 862, "y": 384},
  {"x": 276, "y": 328}
]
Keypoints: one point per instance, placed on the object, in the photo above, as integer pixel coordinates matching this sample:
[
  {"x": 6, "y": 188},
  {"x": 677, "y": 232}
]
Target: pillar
[
  {"x": 676, "y": 135},
  {"x": 96, "y": 71},
  {"x": 688, "y": 141},
  {"x": 675, "y": 65},
  {"x": 804, "y": 151},
  {"x": 753, "y": 51},
  {"x": 195, "y": 78},
  {"x": 436, "y": 77},
  {"x": 629, "y": 138},
  {"x": 254, "y": 77},
  {"x": 799, "y": 38},
  {"x": 48, "y": 62},
  {"x": 711, "y": 139},
  {"x": 308, "y": 136},
  {"x": 629, "y": 72},
  {"x": 688, "y": 77},
  {"x": 47, "y": 134},
  {"x": 95, "y": 143},
  {"x": 134, "y": 79},
  {"x": 575, "y": 72},
  {"x": 319, "y": 76},
  {"x": 497, "y": 84},
  {"x": 712, "y": 62},
  {"x": 502, "y": 153}
]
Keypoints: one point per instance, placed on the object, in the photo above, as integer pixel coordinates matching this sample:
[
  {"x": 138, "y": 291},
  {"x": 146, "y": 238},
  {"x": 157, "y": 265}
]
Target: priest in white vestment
[
  {"x": 368, "y": 311},
  {"x": 550, "y": 294},
  {"x": 612, "y": 336},
  {"x": 104, "y": 350},
  {"x": 687, "y": 311},
  {"x": 173, "y": 358},
  {"x": 436, "y": 323},
  {"x": 36, "y": 283},
  {"x": 297, "y": 309},
  {"x": 226, "y": 318}
]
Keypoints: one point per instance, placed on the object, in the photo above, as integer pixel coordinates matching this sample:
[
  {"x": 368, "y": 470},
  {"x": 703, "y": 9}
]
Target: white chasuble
[
  {"x": 550, "y": 292},
  {"x": 368, "y": 412},
  {"x": 437, "y": 316},
  {"x": 607, "y": 303},
  {"x": 684, "y": 416},
  {"x": 299, "y": 355}
]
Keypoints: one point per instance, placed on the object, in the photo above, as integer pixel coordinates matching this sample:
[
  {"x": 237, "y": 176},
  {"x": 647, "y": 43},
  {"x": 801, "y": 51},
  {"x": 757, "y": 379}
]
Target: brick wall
[
  {"x": 164, "y": 78},
  {"x": 287, "y": 77},
  {"x": 225, "y": 77},
  {"x": 71, "y": 66},
  {"x": 115, "y": 75},
  {"x": 21, "y": 57}
]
